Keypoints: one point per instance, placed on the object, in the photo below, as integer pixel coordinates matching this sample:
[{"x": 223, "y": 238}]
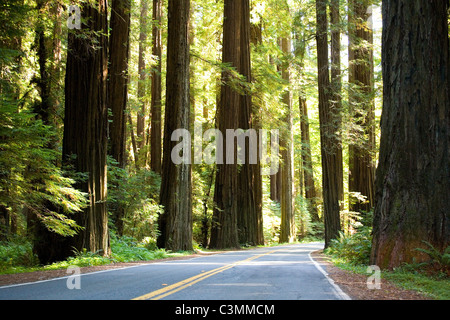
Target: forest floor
[{"x": 354, "y": 285}]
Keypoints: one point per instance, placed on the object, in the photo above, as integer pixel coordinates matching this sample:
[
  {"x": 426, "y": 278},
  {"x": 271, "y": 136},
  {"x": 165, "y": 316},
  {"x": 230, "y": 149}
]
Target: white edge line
[
  {"x": 66, "y": 277},
  {"x": 91, "y": 273},
  {"x": 101, "y": 271},
  {"x": 338, "y": 291}
]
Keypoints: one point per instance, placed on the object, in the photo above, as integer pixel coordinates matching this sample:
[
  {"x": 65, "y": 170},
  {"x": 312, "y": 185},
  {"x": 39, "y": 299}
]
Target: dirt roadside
[{"x": 355, "y": 285}]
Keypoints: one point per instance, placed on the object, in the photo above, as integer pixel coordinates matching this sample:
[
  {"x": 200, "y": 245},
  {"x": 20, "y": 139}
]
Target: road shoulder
[
  {"x": 30, "y": 277},
  {"x": 355, "y": 285}
]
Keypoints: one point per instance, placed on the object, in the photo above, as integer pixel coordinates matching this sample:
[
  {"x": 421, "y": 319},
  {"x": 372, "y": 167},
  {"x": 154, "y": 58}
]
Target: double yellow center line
[{"x": 169, "y": 290}]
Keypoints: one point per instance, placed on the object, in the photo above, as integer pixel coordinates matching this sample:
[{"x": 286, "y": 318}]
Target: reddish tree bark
[{"x": 413, "y": 178}]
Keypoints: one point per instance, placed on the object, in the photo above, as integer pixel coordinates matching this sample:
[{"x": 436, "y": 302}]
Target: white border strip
[
  {"x": 66, "y": 277},
  {"x": 154, "y": 262},
  {"x": 338, "y": 291}
]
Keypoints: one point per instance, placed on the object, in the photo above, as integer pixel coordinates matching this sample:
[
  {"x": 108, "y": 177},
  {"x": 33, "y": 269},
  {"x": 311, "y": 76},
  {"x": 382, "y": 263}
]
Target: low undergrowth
[{"x": 18, "y": 256}]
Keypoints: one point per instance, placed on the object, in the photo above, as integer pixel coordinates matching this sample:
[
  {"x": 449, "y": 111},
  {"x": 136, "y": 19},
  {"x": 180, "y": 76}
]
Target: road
[{"x": 277, "y": 273}]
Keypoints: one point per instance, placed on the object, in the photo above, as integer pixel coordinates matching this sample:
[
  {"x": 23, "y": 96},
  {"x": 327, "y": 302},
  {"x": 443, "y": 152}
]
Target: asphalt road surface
[{"x": 277, "y": 273}]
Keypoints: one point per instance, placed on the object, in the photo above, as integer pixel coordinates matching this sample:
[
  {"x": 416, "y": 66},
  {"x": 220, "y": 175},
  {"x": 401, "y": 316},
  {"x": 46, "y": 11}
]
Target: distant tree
[
  {"x": 336, "y": 93},
  {"x": 140, "y": 140},
  {"x": 301, "y": 38},
  {"x": 119, "y": 47},
  {"x": 308, "y": 174},
  {"x": 361, "y": 103},
  {"x": 287, "y": 228},
  {"x": 412, "y": 195},
  {"x": 156, "y": 124}
]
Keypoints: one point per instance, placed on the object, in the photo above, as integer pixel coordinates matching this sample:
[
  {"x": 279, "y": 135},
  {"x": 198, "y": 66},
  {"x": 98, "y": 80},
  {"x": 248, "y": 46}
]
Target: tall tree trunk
[
  {"x": 275, "y": 186},
  {"x": 362, "y": 147},
  {"x": 55, "y": 70},
  {"x": 308, "y": 173},
  {"x": 44, "y": 108},
  {"x": 336, "y": 92},
  {"x": 176, "y": 192},
  {"x": 224, "y": 233},
  {"x": 134, "y": 144},
  {"x": 205, "y": 219},
  {"x": 275, "y": 179},
  {"x": 256, "y": 40},
  {"x": 413, "y": 178},
  {"x": 119, "y": 45},
  {"x": 85, "y": 124},
  {"x": 249, "y": 176},
  {"x": 140, "y": 122},
  {"x": 287, "y": 228},
  {"x": 329, "y": 141},
  {"x": 4, "y": 223},
  {"x": 155, "y": 134}
]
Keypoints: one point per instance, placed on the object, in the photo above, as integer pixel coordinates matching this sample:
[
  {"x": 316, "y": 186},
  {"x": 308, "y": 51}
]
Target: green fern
[{"x": 438, "y": 258}]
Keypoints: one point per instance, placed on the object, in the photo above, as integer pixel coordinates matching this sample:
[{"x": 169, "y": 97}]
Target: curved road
[{"x": 277, "y": 273}]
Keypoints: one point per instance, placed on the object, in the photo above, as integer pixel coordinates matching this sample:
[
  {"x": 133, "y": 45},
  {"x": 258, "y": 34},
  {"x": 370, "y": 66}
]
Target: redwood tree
[
  {"x": 224, "y": 233},
  {"x": 119, "y": 45},
  {"x": 139, "y": 143},
  {"x": 412, "y": 200},
  {"x": 361, "y": 104},
  {"x": 336, "y": 94},
  {"x": 85, "y": 123},
  {"x": 308, "y": 173},
  {"x": 176, "y": 194},
  {"x": 249, "y": 199},
  {"x": 287, "y": 227},
  {"x": 156, "y": 125},
  {"x": 329, "y": 140}
]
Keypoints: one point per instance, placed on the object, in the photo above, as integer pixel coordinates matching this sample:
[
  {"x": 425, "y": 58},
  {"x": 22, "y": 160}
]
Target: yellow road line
[{"x": 167, "y": 291}]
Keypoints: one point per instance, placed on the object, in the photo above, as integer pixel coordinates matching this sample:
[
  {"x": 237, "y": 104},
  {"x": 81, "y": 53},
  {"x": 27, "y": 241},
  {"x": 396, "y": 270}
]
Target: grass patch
[{"x": 433, "y": 286}]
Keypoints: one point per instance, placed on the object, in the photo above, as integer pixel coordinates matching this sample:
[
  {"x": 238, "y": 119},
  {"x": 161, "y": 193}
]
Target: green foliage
[
  {"x": 29, "y": 177},
  {"x": 354, "y": 249},
  {"x": 81, "y": 259},
  {"x": 433, "y": 287},
  {"x": 307, "y": 230},
  {"x": 18, "y": 256},
  {"x": 438, "y": 265},
  {"x": 438, "y": 258},
  {"x": 271, "y": 220},
  {"x": 16, "y": 253},
  {"x": 127, "y": 249},
  {"x": 202, "y": 202},
  {"x": 137, "y": 193}
]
